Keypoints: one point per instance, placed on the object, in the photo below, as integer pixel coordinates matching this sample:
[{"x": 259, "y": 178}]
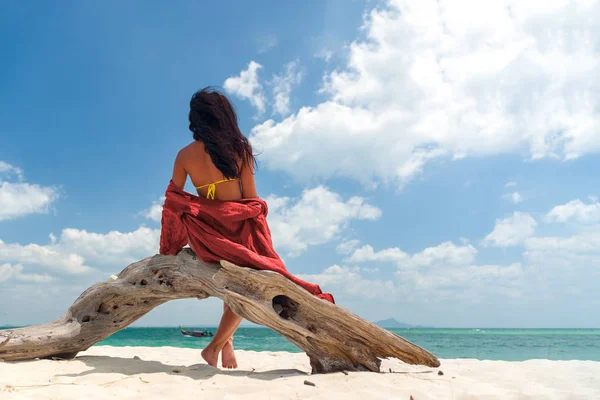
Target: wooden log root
[{"x": 333, "y": 338}]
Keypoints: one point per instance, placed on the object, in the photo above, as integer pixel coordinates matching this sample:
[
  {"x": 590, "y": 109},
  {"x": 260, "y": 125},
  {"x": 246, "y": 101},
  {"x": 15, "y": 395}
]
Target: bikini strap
[{"x": 212, "y": 187}]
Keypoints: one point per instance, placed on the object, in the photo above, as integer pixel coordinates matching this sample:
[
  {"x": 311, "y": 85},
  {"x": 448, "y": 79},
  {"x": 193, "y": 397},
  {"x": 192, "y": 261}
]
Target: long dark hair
[{"x": 214, "y": 122}]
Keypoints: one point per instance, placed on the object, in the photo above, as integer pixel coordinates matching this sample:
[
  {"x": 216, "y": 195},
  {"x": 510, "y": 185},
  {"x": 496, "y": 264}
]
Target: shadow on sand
[{"x": 135, "y": 366}]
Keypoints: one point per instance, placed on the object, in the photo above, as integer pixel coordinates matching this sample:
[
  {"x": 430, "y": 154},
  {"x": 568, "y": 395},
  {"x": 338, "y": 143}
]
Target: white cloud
[
  {"x": 246, "y": 86},
  {"x": 347, "y": 246},
  {"x": 6, "y": 168},
  {"x": 8, "y": 272},
  {"x": 282, "y": 88},
  {"x": 566, "y": 268},
  {"x": 446, "y": 272},
  {"x": 510, "y": 184},
  {"x": 154, "y": 212},
  {"x": 441, "y": 272},
  {"x": 579, "y": 251},
  {"x": 575, "y": 211},
  {"x": 438, "y": 295},
  {"x": 370, "y": 270},
  {"x": 367, "y": 253},
  {"x": 49, "y": 256},
  {"x": 348, "y": 281},
  {"x": 317, "y": 217},
  {"x": 568, "y": 262},
  {"x": 511, "y": 231},
  {"x": 78, "y": 251},
  {"x": 431, "y": 80},
  {"x": 472, "y": 282},
  {"x": 18, "y": 199},
  {"x": 112, "y": 249},
  {"x": 444, "y": 254},
  {"x": 515, "y": 197}
]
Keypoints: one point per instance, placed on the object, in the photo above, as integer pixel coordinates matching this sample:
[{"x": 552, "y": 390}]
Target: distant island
[{"x": 392, "y": 323}]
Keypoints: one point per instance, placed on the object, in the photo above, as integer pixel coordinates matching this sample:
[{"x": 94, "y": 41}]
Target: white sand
[{"x": 174, "y": 373}]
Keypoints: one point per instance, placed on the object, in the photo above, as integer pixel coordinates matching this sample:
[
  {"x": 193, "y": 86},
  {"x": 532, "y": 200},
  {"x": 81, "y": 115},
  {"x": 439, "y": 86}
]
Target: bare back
[{"x": 193, "y": 160}]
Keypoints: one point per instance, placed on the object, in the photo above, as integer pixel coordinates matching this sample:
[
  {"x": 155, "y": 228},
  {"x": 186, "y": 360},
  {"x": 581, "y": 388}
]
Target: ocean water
[{"x": 483, "y": 344}]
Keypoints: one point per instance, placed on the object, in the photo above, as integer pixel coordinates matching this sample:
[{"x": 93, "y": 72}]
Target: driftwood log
[{"x": 333, "y": 338}]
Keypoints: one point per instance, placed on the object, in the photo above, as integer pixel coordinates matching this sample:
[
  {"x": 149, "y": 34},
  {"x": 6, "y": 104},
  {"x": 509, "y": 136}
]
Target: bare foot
[
  {"x": 210, "y": 355},
  {"x": 228, "y": 355}
]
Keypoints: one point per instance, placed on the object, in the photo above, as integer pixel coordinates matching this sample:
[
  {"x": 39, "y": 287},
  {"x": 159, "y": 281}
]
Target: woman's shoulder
[
  {"x": 191, "y": 150},
  {"x": 193, "y": 146}
]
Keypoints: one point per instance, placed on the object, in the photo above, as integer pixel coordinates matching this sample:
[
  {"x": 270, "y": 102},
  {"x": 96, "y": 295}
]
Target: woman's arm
[
  {"x": 248, "y": 185},
  {"x": 179, "y": 172}
]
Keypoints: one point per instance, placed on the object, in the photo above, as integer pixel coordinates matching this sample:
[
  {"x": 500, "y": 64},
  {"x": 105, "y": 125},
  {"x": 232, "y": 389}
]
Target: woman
[
  {"x": 227, "y": 220},
  {"x": 219, "y": 156}
]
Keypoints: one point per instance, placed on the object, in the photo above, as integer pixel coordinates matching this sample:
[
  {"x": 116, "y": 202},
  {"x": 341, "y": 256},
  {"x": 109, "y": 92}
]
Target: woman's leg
[
  {"x": 222, "y": 340},
  {"x": 228, "y": 359}
]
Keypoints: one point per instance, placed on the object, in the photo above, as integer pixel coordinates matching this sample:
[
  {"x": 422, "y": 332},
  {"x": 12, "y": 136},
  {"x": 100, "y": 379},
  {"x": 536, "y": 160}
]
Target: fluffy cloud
[
  {"x": 581, "y": 250},
  {"x": 367, "y": 253},
  {"x": 438, "y": 272},
  {"x": 154, "y": 212},
  {"x": 317, "y": 217},
  {"x": 282, "y": 88},
  {"x": 472, "y": 282},
  {"x": 113, "y": 249},
  {"x": 441, "y": 272},
  {"x": 8, "y": 272},
  {"x": 576, "y": 251},
  {"x": 46, "y": 256},
  {"x": 346, "y": 247},
  {"x": 7, "y": 169},
  {"x": 348, "y": 281},
  {"x": 514, "y": 197},
  {"x": 78, "y": 251},
  {"x": 511, "y": 231},
  {"x": 18, "y": 199},
  {"x": 446, "y": 253},
  {"x": 566, "y": 268},
  {"x": 449, "y": 79},
  {"x": 246, "y": 86},
  {"x": 575, "y": 211}
]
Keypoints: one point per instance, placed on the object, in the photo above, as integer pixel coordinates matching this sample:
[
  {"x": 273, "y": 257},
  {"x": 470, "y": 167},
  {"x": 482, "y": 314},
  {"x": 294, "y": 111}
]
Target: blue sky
[{"x": 435, "y": 163}]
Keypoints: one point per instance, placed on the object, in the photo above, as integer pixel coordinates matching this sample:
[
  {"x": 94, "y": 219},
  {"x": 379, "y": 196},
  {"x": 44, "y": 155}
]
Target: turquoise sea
[{"x": 483, "y": 344}]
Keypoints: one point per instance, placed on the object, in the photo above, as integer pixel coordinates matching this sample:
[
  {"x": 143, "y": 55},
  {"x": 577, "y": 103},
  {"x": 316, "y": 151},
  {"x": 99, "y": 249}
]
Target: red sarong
[{"x": 216, "y": 230}]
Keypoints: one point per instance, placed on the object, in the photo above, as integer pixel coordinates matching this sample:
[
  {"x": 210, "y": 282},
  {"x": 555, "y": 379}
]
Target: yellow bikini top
[{"x": 212, "y": 187}]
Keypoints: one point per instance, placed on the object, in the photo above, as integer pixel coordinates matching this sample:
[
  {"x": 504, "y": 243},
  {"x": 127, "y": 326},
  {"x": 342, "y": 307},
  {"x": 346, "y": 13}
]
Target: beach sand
[{"x": 105, "y": 372}]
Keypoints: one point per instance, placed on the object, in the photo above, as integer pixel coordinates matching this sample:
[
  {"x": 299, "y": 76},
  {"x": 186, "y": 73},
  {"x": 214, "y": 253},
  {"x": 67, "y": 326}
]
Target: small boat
[{"x": 204, "y": 333}]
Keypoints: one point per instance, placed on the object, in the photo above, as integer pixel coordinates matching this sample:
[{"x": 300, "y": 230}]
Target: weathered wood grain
[{"x": 333, "y": 338}]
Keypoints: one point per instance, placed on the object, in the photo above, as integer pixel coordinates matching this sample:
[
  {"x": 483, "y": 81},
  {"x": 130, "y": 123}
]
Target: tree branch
[{"x": 333, "y": 338}]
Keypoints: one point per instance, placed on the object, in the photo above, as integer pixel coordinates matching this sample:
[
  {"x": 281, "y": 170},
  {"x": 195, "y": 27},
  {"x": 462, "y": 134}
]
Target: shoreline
[
  {"x": 450, "y": 328},
  {"x": 174, "y": 372},
  {"x": 504, "y": 345}
]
